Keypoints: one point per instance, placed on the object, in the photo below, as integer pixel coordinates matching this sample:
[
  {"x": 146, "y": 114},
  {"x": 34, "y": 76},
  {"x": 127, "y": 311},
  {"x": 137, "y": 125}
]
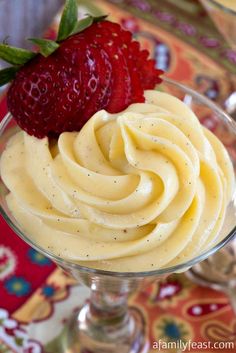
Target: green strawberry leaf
[
  {"x": 46, "y": 46},
  {"x": 15, "y": 56},
  {"x": 8, "y": 74},
  {"x": 83, "y": 24},
  {"x": 99, "y": 18},
  {"x": 68, "y": 20},
  {"x": 86, "y": 22}
]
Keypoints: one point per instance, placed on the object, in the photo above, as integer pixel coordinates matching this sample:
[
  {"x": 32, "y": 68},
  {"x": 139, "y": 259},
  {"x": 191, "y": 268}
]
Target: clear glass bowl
[
  {"x": 224, "y": 18},
  {"x": 106, "y": 324}
]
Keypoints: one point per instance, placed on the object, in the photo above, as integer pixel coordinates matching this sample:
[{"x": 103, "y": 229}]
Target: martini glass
[
  {"x": 223, "y": 14},
  {"x": 106, "y": 324},
  {"x": 224, "y": 17},
  {"x": 219, "y": 271}
]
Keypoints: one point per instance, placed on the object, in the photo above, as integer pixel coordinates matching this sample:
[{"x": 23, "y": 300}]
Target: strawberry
[
  {"x": 123, "y": 40},
  {"x": 94, "y": 64},
  {"x": 120, "y": 85},
  {"x": 101, "y": 96}
]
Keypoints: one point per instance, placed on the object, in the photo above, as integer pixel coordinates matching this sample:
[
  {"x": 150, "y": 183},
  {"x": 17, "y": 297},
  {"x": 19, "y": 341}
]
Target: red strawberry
[
  {"x": 123, "y": 40},
  {"x": 121, "y": 85},
  {"x": 100, "y": 67},
  {"x": 45, "y": 95},
  {"x": 121, "y": 82},
  {"x": 101, "y": 97}
]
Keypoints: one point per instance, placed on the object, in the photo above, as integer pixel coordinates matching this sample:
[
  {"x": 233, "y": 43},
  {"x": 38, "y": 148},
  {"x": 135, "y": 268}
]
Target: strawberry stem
[{"x": 69, "y": 25}]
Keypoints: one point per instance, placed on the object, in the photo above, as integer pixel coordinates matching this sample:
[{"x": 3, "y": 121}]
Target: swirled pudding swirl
[{"x": 139, "y": 190}]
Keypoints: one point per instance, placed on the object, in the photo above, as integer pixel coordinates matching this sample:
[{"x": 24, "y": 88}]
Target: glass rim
[
  {"x": 138, "y": 274},
  {"x": 222, "y": 7}
]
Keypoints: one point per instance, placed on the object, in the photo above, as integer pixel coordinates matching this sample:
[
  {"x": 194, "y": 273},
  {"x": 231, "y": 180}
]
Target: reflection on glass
[{"x": 223, "y": 13}]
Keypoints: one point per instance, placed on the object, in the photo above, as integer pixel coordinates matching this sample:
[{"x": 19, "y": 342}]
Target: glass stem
[
  {"x": 109, "y": 310},
  {"x": 107, "y": 325}
]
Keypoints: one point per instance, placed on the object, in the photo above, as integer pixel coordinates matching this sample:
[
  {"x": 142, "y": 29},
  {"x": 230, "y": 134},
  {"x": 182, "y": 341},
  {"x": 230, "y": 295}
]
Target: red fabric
[{"x": 33, "y": 273}]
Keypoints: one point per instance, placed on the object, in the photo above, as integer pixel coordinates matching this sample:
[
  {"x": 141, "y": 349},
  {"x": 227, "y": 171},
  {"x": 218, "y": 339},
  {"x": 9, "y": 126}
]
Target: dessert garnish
[{"x": 93, "y": 64}]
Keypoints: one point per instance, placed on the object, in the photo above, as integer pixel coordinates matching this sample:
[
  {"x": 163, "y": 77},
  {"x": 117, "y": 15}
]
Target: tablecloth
[{"x": 184, "y": 42}]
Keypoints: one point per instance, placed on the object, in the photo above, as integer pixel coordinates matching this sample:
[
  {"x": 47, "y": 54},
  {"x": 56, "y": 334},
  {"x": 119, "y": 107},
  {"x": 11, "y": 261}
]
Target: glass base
[
  {"x": 76, "y": 337},
  {"x": 69, "y": 329}
]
